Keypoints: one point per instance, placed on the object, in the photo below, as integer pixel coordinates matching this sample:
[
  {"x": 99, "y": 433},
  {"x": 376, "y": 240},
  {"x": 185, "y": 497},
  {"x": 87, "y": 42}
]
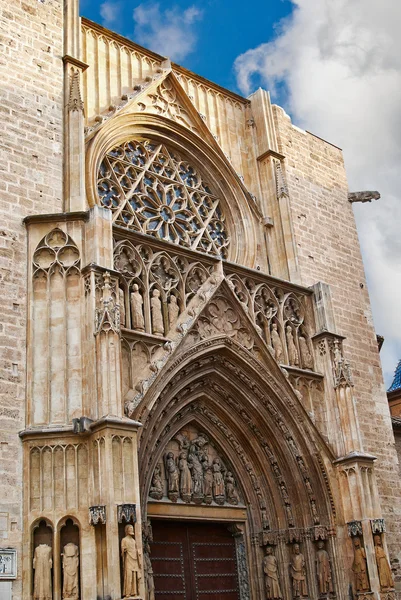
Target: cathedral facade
[{"x": 192, "y": 403}]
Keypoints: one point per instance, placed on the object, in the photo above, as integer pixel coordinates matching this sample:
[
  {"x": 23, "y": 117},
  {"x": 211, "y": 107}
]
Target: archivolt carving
[{"x": 151, "y": 189}]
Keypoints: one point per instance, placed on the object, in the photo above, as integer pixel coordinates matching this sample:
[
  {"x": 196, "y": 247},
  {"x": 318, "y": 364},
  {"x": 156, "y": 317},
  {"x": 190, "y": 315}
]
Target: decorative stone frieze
[
  {"x": 378, "y": 526},
  {"x": 354, "y": 528},
  {"x": 126, "y": 513},
  {"x": 97, "y": 514}
]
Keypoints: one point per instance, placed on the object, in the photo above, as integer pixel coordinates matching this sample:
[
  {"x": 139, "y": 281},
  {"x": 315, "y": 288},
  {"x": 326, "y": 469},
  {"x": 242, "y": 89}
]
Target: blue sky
[
  {"x": 222, "y": 29},
  {"x": 334, "y": 66}
]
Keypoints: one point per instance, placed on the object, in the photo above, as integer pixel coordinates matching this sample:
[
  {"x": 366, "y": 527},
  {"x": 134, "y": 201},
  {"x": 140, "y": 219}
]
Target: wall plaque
[{"x": 8, "y": 563}]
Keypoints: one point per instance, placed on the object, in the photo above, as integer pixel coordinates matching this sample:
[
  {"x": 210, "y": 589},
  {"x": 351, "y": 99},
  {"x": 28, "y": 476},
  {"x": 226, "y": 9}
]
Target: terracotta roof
[{"x": 396, "y": 385}]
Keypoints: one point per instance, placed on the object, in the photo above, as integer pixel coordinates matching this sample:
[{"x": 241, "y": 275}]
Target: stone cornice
[
  {"x": 56, "y": 217},
  {"x": 355, "y": 457},
  {"x": 271, "y": 153},
  {"x": 67, "y": 59}
]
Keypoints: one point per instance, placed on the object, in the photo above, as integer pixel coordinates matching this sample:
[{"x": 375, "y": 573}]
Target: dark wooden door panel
[{"x": 194, "y": 561}]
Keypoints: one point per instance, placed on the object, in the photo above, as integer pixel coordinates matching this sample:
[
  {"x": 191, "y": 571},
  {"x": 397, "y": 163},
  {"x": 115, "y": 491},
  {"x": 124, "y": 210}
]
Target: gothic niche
[
  {"x": 193, "y": 471},
  {"x": 42, "y": 562}
]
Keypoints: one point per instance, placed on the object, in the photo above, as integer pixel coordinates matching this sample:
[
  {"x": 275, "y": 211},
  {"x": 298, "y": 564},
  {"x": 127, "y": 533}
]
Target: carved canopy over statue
[{"x": 193, "y": 471}]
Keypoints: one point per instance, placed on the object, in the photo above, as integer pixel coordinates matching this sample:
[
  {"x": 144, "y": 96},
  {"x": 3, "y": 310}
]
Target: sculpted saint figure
[
  {"x": 70, "y": 572},
  {"x": 122, "y": 307},
  {"x": 131, "y": 563},
  {"x": 276, "y": 343},
  {"x": 185, "y": 478},
  {"x": 323, "y": 570},
  {"x": 306, "y": 356},
  {"x": 173, "y": 310},
  {"x": 137, "y": 309},
  {"x": 385, "y": 575},
  {"x": 359, "y": 567},
  {"x": 197, "y": 474},
  {"x": 157, "y": 317},
  {"x": 42, "y": 563},
  {"x": 208, "y": 481},
  {"x": 298, "y": 573},
  {"x": 149, "y": 581},
  {"x": 231, "y": 490},
  {"x": 172, "y": 476},
  {"x": 292, "y": 350},
  {"x": 156, "y": 488},
  {"x": 272, "y": 585},
  {"x": 218, "y": 482}
]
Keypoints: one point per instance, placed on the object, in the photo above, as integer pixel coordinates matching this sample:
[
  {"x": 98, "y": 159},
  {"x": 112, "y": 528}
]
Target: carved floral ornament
[{"x": 151, "y": 189}]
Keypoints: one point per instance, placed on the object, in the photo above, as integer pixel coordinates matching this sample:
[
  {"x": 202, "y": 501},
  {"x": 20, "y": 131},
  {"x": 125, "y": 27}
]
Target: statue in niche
[
  {"x": 292, "y": 350},
  {"x": 284, "y": 493},
  {"x": 270, "y": 569},
  {"x": 197, "y": 477},
  {"x": 298, "y": 573},
  {"x": 360, "y": 567},
  {"x": 231, "y": 489},
  {"x": 173, "y": 310},
  {"x": 42, "y": 564},
  {"x": 315, "y": 514},
  {"x": 70, "y": 558},
  {"x": 218, "y": 482},
  {"x": 323, "y": 569},
  {"x": 185, "y": 478},
  {"x": 131, "y": 557},
  {"x": 137, "y": 309},
  {"x": 306, "y": 356},
  {"x": 277, "y": 344},
  {"x": 207, "y": 482},
  {"x": 172, "y": 477},
  {"x": 156, "y": 487},
  {"x": 148, "y": 569},
  {"x": 157, "y": 316},
  {"x": 383, "y": 567},
  {"x": 121, "y": 302}
]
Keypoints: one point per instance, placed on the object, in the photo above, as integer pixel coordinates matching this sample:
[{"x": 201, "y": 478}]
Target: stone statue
[
  {"x": 156, "y": 487},
  {"x": 173, "y": 310},
  {"x": 172, "y": 477},
  {"x": 207, "y": 482},
  {"x": 137, "y": 309},
  {"x": 157, "y": 317},
  {"x": 385, "y": 575},
  {"x": 292, "y": 350},
  {"x": 149, "y": 581},
  {"x": 121, "y": 302},
  {"x": 218, "y": 482},
  {"x": 42, "y": 563},
  {"x": 323, "y": 569},
  {"x": 272, "y": 585},
  {"x": 197, "y": 475},
  {"x": 277, "y": 344},
  {"x": 298, "y": 573},
  {"x": 231, "y": 489},
  {"x": 185, "y": 478},
  {"x": 131, "y": 563},
  {"x": 359, "y": 567},
  {"x": 306, "y": 356},
  {"x": 70, "y": 572}
]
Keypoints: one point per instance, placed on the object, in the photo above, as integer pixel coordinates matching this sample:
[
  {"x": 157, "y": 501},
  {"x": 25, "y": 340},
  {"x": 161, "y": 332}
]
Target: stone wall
[
  {"x": 31, "y": 99},
  {"x": 328, "y": 250}
]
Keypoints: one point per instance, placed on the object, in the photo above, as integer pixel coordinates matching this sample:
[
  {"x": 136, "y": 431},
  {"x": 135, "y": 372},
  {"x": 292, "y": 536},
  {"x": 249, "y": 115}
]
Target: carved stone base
[
  {"x": 197, "y": 499},
  {"x": 186, "y": 498},
  {"x": 156, "y": 495},
  {"x": 220, "y": 500},
  {"x": 387, "y": 594},
  {"x": 173, "y": 496},
  {"x": 208, "y": 499}
]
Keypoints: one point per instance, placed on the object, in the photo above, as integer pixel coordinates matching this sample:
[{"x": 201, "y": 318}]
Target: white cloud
[
  {"x": 111, "y": 13},
  {"x": 170, "y": 32},
  {"x": 340, "y": 62}
]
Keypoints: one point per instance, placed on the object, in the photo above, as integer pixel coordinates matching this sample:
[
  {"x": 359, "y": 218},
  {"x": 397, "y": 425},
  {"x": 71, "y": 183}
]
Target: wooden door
[{"x": 193, "y": 561}]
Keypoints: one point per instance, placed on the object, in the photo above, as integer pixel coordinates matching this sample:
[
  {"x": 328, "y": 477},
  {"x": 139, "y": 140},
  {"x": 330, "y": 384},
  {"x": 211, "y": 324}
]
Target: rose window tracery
[{"x": 150, "y": 189}]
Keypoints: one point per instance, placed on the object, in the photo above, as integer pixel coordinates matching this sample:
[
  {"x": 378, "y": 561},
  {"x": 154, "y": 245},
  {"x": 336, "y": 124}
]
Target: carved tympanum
[
  {"x": 194, "y": 471},
  {"x": 42, "y": 564},
  {"x": 132, "y": 563}
]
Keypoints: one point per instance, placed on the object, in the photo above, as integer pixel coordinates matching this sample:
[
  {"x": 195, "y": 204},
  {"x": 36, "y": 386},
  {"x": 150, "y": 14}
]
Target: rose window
[{"x": 151, "y": 189}]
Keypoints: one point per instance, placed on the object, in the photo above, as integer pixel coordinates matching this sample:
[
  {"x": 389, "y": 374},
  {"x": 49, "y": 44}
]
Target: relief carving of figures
[
  {"x": 306, "y": 356},
  {"x": 157, "y": 316},
  {"x": 137, "y": 309},
  {"x": 172, "y": 477},
  {"x": 185, "y": 478},
  {"x": 122, "y": 307},
  {"x": 42, "y": 564},
  {"x": 131, "y": 558},
  {"x": 173, "y": 310},
  {"x": 298, "y": 573},
  {"x": 70, "y": 558},
  {"x": 383, "y": 567},
  {"x": 323, "y": 569},
  {"x": 218, "y": 482},
  {"x": 149, "y": 581},
  {"x": 272, "y": 585},
  {"x": 360, "y": 567},
  {"x": 292, "y": 350},
  {"x": 207, "y": 482},
  {"x": 156, "y": 488},
  {"x": 231, "y": 489},
  {"x": 276, "y": 343},
  {"x": 197, "y": 476}
]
